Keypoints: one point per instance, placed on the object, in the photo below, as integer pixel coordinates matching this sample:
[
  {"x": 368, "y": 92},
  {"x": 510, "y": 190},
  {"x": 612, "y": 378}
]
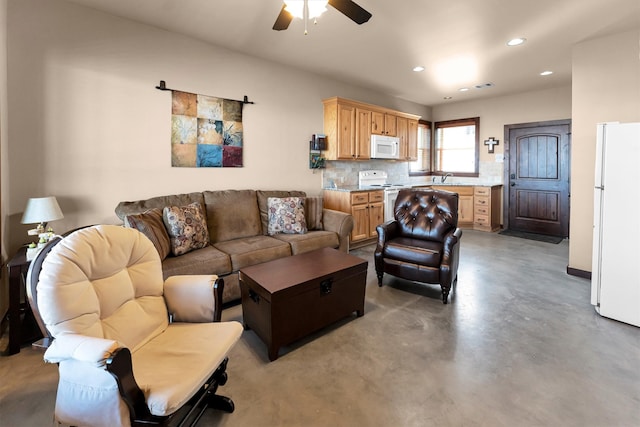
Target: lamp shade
[{"x": 41, "y": 209}]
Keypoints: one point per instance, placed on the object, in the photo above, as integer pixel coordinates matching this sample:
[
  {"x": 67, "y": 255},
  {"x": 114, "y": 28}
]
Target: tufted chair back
[
  {"x": 115, "y": 278},
  {"x": 426, "y": 214}
]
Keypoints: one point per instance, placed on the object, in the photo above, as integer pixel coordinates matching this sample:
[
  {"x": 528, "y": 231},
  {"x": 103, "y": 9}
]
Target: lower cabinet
[
  {"x": 478, "y": 207},
  {"x": 366, "y": 207},
  {"x": 486, "y": 209}
]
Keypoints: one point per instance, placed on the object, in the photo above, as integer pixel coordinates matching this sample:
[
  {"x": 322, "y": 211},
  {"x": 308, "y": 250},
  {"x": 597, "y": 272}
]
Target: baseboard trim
[{"x": 578, "y": 273}]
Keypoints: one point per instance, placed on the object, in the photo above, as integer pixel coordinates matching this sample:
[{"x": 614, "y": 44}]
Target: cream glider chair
[{"x": 131, "y": 349}]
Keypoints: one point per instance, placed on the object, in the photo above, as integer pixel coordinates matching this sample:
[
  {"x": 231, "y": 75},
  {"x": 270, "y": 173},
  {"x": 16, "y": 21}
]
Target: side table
[{"x": 22, "y": 325}]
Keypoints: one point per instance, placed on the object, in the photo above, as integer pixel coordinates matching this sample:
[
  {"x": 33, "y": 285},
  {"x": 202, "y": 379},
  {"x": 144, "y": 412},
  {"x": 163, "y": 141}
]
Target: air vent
[{"x": 484, "y": 86}]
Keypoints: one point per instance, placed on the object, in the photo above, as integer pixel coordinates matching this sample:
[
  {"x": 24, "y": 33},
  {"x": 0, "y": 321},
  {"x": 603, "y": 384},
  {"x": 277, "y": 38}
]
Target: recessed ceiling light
[
  {"x": 463, "y": 89},
  {"x": 546, "y": 73},
  {"x": 516, "y": 42},
  {"x": 447, "y": 97},
  {"x": 418, "y": 68}
]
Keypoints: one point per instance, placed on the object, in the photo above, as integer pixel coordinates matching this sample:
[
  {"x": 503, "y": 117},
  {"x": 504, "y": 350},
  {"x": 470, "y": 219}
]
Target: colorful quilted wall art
[{"x": 206, "y": 132}]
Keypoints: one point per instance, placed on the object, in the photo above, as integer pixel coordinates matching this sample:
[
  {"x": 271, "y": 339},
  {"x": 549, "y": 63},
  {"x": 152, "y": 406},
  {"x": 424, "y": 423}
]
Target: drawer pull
[
  {"x": 254, "y": 296},
  {"x": 325, "y": 286}
]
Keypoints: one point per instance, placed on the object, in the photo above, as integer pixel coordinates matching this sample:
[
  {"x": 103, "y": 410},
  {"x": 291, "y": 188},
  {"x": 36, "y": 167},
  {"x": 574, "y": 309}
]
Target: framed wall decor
[{"x": 206, "y": 132}]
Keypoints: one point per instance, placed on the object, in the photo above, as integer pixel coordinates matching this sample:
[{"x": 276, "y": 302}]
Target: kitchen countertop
[
  {"x": 458, "y": 184},
  {"x": 351, "y": 188},
  {"x": 354, "y": 188}
]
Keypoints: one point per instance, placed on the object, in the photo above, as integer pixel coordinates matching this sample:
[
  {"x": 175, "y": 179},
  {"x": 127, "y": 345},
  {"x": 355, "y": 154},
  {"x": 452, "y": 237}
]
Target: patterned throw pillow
[
  {"x": 187, "y": 228},
  {"x": 286, "y": 215},
  {"x": 150, "y": 224}
]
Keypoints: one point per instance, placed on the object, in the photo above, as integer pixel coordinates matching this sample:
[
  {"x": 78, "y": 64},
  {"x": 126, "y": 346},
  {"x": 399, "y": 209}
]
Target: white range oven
[{"x": 377, "y": 179}]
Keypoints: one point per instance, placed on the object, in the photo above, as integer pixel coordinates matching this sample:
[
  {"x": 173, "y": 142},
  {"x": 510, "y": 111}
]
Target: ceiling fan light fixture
[{"x": 315, "y": 7}]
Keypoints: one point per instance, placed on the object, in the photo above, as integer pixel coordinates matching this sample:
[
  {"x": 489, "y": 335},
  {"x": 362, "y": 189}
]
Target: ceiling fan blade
[
  {"x": 283, "y": 20},
  {"x": 351, "y": 10}
]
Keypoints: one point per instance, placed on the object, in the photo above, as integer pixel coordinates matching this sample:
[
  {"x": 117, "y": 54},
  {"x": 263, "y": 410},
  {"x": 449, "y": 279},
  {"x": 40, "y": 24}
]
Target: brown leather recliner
[{"x": 422, "y": 243}]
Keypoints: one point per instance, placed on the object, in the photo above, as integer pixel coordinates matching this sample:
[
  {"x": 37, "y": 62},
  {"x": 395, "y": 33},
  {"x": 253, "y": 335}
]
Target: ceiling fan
[{"x": 306, "y": 9}]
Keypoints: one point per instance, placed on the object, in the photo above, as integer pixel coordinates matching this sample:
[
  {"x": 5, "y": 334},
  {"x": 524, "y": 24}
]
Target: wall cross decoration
[{"x": 491, "y": 143}]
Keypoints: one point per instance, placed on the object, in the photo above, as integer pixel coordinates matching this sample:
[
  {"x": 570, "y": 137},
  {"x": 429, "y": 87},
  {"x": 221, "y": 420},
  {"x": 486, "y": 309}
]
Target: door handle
[{"x": 513, "y": 184}]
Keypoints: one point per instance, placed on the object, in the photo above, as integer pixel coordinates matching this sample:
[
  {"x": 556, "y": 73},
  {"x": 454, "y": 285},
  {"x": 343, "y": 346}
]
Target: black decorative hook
[{"x": 163, "y": 86}]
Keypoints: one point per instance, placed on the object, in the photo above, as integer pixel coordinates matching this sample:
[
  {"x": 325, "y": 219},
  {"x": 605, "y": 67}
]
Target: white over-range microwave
[{"x": 385, "y": 147}]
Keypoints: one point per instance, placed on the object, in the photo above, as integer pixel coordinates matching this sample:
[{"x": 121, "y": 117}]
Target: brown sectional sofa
[{"x": 237, "y": 223}]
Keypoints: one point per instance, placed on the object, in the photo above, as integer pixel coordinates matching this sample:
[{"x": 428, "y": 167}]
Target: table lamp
[{"x": 41, "y": 210}]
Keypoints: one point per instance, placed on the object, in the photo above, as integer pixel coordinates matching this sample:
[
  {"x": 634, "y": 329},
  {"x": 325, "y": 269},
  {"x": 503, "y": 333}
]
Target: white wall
[
  {"x": 495, "y": 113},
  {"x": 88, "y": 126},
  {"x": 606, "y": 87}
]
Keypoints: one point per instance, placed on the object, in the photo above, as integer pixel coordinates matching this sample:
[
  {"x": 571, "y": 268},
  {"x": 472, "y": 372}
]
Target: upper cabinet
[
  {"x": 408, "y": 134},
  {"x": 384, "y": 123},
  {"x": 348, "y": 126}
]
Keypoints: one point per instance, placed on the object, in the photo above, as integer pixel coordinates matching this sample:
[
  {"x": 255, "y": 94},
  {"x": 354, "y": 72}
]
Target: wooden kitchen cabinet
[
  {"x": 363, "y": 134},
  {"x": 348, "y": 126},
  {"x": 340, "y": 130},
  {"x": 487, "y": 202},
  {"x": 366, "y": 207},
  {"x": 407, "y": 131},
  {"x": 384, "y": 123},
  {"x": 412, "y": 140}
]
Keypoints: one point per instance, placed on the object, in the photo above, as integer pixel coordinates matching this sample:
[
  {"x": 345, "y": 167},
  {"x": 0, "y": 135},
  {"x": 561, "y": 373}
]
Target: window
[
  {"x": 422, "y": 166},
  {"x": 456, "y": 147}
]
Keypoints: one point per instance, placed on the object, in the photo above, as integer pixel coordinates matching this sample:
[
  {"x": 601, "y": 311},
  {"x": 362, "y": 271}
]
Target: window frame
[{"x": 433, "y": 128}]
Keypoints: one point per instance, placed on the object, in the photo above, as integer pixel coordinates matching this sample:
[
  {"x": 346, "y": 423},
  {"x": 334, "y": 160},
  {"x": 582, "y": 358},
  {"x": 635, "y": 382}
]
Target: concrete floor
[{"x": 518, "y": 345}]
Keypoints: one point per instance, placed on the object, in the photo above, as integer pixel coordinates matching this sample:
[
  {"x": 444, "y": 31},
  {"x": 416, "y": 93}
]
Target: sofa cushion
[
  {"x": 426, "y": 253},
  {"x": 128, "y": 208},
  {"x": 313, "y": 209},
  {"x": 232, "y": 214},
  {"x": 301, "y": 243},
  {"x": 207, "y": 260},
  {"x": 253, "y": 250},
  {"x": 187, "y": 356},
  {"x": 150, "y": 224},
  {"x": 263, "y": 196},
  {"x": 286, "y": 215},
  {"x": 187, "y": 228}
]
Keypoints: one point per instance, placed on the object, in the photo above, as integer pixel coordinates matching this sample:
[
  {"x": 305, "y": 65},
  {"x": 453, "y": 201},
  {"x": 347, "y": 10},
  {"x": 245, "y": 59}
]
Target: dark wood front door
[{"x": 537, "y": 177}]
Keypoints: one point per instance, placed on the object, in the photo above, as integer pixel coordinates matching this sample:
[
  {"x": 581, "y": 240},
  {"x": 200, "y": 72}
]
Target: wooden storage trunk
[{"x": 289, "y": 298}]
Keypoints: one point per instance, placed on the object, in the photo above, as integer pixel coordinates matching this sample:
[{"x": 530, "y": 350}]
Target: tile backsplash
[{"x": 345, "y": 173}]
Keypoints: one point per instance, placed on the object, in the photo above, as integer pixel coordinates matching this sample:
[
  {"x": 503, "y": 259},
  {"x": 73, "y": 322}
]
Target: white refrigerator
[{"x": 615, "y": 275}]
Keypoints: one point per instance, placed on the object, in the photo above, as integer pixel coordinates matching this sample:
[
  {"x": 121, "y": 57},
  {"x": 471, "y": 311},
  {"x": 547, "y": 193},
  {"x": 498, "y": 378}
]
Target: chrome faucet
[{"x": 444, "y": 177}]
